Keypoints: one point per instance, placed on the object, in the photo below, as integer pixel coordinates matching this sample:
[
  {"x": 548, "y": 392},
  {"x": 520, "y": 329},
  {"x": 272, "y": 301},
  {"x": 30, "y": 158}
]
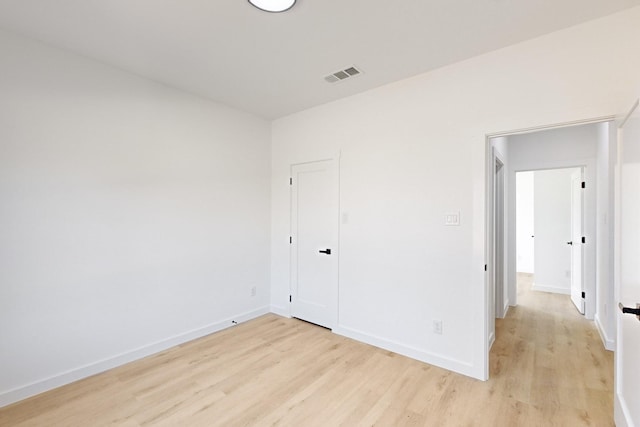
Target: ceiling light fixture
[{"x": 273, "y": 5}]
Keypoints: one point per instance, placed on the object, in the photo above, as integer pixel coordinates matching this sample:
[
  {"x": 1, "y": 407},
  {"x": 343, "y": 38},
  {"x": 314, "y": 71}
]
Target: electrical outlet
[
  {"x": 437, "y": 327},
  {"x": 253, "y": 291}
]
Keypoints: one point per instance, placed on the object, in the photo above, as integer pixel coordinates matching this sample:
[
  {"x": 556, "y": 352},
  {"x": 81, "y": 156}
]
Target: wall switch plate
[{"x": 452, "y": 218}]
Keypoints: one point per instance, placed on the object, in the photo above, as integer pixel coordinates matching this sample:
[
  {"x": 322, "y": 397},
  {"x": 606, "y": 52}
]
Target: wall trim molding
[
  {"x": 621, "y": 414},
  {"x": 609, "y": 344},
  {"x": 551, "y": 289},
  {"x": 505, "y": 309},
  {"x": 458, "y": 366},
  {"x": 64, "y": 378},
  {"x": 552, "y": 126},
  {"x": 492, "y": 339}
]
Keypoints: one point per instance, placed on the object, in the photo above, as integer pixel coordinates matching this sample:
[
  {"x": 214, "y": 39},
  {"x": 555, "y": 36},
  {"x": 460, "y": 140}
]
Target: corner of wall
[
  {"x": 12, "y": 396},
  {"x": 280, "y": 311}
]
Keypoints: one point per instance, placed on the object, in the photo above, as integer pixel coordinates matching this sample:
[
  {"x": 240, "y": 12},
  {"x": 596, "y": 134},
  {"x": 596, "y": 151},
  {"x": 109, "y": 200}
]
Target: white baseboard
[
  {"x": 280, "y": 311},
  {"x": 461, "y": 367},
  {"x": 501, "y": 314},
  {"x": 551, "y": 289},
  {"x": 609, "y": 344},
  {"x": 621, "y": 414},
  {"x": 505, "y": 309},
  {"x": 46, "y": 384}
]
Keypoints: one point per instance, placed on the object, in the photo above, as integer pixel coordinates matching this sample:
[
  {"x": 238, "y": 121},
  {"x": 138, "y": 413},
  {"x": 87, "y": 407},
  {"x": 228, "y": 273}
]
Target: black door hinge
[
  {"x": 584, "y": 295},
  {"x": 289, "y": 298},
  {"x": 485, "y": 267},
  {"x": 584, "y": 184},
  {"x": 290, "y": 240},
  {"x": 290, "y": 181},
  {"x": 584, "y": 239}
]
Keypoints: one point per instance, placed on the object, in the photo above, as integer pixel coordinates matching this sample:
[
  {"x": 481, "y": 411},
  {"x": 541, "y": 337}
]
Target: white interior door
[
  {"x": 627, "y": 372},
  {"x": 576, "y": 240},
  {"x": 525, "y": 222},
  {"x": 314, "y": 242}
]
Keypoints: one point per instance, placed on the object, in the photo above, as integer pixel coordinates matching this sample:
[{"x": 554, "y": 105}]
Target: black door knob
[
  {"x": 326, "y": 251},
  {"x": 569, "y": 243},
  {"x": 629, "y": 310}
]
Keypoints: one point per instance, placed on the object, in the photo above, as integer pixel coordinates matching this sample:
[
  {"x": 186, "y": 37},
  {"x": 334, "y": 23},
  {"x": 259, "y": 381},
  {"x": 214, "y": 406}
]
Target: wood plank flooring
[{"x": 548, "y": 368}]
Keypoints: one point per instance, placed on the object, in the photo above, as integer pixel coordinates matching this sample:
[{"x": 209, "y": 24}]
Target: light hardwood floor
[{"x": 548, "y": 368}]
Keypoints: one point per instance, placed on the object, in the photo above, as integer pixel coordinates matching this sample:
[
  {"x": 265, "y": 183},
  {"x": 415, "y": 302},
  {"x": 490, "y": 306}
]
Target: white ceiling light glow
[{"x": 273, "y": 5}]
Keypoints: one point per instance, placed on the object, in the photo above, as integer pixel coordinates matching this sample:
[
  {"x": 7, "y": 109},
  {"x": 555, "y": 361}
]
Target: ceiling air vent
[{"x": 342, "y": 75}]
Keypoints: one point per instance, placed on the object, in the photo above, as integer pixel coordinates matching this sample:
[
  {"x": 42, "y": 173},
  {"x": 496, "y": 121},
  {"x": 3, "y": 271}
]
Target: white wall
[
  {"x": 415, "y": 149},
  {"x": 605, "y": 310},
  {"x": 524, "y": 222},
  {"x": 552, "y": 224},
  {"x": 133, "y": 217}
]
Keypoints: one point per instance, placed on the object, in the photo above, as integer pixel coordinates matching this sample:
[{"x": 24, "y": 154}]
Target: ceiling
[{"x": 273, "y": 65}]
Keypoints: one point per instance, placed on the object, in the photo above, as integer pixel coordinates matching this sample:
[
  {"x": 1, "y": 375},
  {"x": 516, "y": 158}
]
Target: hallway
[{"x": 548, "y": 356}]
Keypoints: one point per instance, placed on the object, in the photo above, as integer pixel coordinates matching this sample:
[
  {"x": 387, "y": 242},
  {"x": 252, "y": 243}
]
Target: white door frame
[
  {"x": 581, "y": 169},
  {"x": 589, "y": 229},
  {"x": 496, "y": 260}
]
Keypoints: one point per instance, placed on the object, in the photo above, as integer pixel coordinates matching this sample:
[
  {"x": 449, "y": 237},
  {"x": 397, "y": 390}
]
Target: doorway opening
[
  {"x": 586, "y": 150},
  {"x": 549, "y": 231},
  {"x": 542, "y": 336}
]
